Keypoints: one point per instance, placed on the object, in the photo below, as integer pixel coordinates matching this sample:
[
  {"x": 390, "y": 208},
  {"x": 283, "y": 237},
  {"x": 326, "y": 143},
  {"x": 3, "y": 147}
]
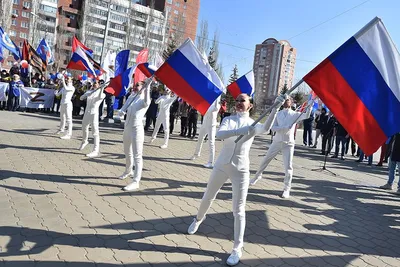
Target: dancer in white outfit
[
  {"x": 91, "y": 117},
  {"x": 66, "y": 92},
  {"x": 164, "y": 102},
  {"x": 233, "y": 163},
  {"x": 135, "y": 107},
  {"x": 284, "y": 126},
  {"x": 209, "y": 128}
]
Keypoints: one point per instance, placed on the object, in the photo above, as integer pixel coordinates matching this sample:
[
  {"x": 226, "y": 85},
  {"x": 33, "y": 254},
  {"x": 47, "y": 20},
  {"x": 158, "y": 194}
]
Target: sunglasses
[{"x": 240, "y": 100}]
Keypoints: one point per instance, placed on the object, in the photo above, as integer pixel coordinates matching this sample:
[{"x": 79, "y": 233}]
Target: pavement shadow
[
  {"x": 268, "y": 262},
  {"x": 5, "y": 174}
]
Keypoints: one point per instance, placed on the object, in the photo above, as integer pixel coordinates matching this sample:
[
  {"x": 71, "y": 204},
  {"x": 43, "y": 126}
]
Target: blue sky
[{"x": 246, "y": 23}]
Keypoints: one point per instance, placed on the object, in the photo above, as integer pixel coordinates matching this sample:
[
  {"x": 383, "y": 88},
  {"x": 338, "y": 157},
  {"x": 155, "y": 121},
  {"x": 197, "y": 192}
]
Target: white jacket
[
  {"x": 94, "y": 99},
  {"x": 211, "y": 116},
  {"x": 285, "y": 124},
  {"x": 67, "y": 92},
  {"x": 136, "y": 107},
  {"x": 164, "y": 103},
  {"x": 238, "y": 153}
]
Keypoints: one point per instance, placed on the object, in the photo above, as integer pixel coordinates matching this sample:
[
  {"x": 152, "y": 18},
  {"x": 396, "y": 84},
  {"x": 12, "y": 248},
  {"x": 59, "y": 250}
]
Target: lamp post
[
  {"x": 34, "y": 29},
  {"x": 105, "y": 33}
]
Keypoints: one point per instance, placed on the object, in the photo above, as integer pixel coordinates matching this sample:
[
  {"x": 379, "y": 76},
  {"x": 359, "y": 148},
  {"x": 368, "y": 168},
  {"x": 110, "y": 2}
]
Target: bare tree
[{"x": 202, "y": 41}]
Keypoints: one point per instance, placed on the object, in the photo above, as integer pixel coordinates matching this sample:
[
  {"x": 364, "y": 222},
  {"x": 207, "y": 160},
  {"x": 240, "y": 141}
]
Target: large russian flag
[
  {"x": 80, "y": 61},
  {"x": 243, "y": 85},
  {"x": 360, "y": 83},
  {"x": 190, "y": 76}
]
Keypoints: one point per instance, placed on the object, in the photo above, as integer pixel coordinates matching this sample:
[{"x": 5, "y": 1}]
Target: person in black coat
[
  {"x": 394, "y": 162},
  {"x": 307, "y": 131},
  {"x": 151, "y": 114},
  {"x": 319, "y": 120},
  {"x": 173, "y": 113},
  {"x": 341, "y": 137},
  {"x": 327, "y": 128},
  {"x": 192, "y": 120}
]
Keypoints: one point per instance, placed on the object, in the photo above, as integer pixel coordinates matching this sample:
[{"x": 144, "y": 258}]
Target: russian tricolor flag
[
  {"x": 80, "y": 61},
  {"x": 191, "y": 77},
  {"x": 119, "y": 85},
  {"x": 147, "y": 69},
  {"x": 360, "y": 82},
  {"x": 243, "y": 85}
]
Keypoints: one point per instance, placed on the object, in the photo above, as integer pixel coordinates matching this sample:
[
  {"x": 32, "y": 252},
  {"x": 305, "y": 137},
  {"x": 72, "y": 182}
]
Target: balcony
[{"x": 68, "y": 9}]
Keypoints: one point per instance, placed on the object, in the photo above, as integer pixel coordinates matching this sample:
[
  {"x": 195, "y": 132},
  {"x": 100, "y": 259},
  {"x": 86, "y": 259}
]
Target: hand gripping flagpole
[{"x": 271, "y": 108}]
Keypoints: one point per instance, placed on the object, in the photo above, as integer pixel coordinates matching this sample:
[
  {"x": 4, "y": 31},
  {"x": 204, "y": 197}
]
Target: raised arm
[{"x": 224, "y": 132}]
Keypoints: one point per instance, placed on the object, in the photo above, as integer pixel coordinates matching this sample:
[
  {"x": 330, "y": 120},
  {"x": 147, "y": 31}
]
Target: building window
[
  {"x": 16, "y": 2},
  {"x": 184, "y": 6},
  {"x": 25, "y": 14},
  {"x": 176, "y": 12},
  {"x": 23, "y": 35},
  {"x": 24, "y": 24},
  {"x": 14, "y": 22},
  {"x": 15, "y": 12},
  {"x": 184, "y": 15},
  {"x": 177, "y": 4},
  {"x": 169, "y": 2},
  {"x": 27, "y": 4},
  {"x": 168, "y": 9},
  {"x": 48, "y": 9},
  {"x": 13, "y": 33}
]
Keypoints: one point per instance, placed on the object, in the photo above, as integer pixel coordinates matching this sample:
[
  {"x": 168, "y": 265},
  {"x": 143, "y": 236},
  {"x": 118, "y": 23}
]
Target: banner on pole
[
  {"x": 3, "y": 89},
  {"x": 36, "y": 97}
]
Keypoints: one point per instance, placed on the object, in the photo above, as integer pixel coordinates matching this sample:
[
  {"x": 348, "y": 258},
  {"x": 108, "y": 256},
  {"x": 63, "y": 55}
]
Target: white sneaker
[
  {"x": 59, "y": 132},
  {"x": 125, "y": 175},
  {"x": 152, "y": 140},
  {"x": 66, "y": 137},
  {"x": 286, "y": 193},
  {"x": 83, "y": 145},
  {"x": 194, "y": 226},
  {"x": 93, "y": 154},
  {"x": 234, "y": 258},
  {"x": 164, "y": 146},
  {"x": 209, "y": 165},
  {"x": 255, "y": 180},
  {"x": 195, "y": 156},
  {"x": 132, "y": 186}
]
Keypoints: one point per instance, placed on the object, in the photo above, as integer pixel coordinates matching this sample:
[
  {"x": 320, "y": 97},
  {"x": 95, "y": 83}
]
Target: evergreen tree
[
  {"x": 211, "y": 59},
  {"x": 230, "y": 101},
  {"x": 170, "y": 49},
  {"x": 298, "y": 97},
  {"x": 284, "y": 89}
]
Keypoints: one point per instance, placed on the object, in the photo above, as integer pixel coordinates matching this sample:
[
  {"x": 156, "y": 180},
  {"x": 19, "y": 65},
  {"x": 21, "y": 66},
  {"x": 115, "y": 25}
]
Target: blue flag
[
  {"x": 8, "y": 44},
  {"x": 121, "y": 62},
  {"x": 1, "y": 54},
  {"x": 45, "y": 53}
]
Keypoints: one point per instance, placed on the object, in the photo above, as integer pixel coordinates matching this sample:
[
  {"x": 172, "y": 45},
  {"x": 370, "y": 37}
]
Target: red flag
[{"x": 141, "y": 58}]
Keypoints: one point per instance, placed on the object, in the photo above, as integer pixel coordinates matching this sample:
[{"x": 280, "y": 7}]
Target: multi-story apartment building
[
  {"x": 43, "y": 21},
  {"x": 273, "y": 66},
  {"x": 182, "y": 18}
]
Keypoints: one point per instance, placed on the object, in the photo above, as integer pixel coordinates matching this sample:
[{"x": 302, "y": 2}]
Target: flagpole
[{"x": 271, "y": 108}]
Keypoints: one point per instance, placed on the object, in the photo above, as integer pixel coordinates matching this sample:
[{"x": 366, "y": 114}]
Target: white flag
[{"x": 36, "y": 97}]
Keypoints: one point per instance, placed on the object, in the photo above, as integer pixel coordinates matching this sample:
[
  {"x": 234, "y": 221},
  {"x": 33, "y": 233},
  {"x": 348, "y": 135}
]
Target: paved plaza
[{"x": 59, "y": 208}]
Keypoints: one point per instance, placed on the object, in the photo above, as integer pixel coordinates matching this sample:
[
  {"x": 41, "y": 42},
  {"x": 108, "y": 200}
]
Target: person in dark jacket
[
  {"x": 151, "y": 114},
  {"x": 319, "y": 120},
  {"x": 173, "y": 113},
  {"x": 327, "y": 128},
  {"x": 394, "y": 161},
  {"x": 183, "y": 112},
  {"x": 307, "y": 131},
  {"x": 192, "y": 122},
  {"x": 341, "y": 137}
]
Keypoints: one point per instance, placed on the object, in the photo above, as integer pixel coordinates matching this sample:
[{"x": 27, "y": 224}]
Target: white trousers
[
  {"x": 164, "y": 120},
  {"x": 133, "y": 148},
  {"x": 210, "y": 131},
  {"x": 91, "y": 119},
  {"x": 287, "y": 155},
  {"x": 66, "y": 117},
  {"x": 240, "y": 186},
  {"x": 317, "y": 135}
]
